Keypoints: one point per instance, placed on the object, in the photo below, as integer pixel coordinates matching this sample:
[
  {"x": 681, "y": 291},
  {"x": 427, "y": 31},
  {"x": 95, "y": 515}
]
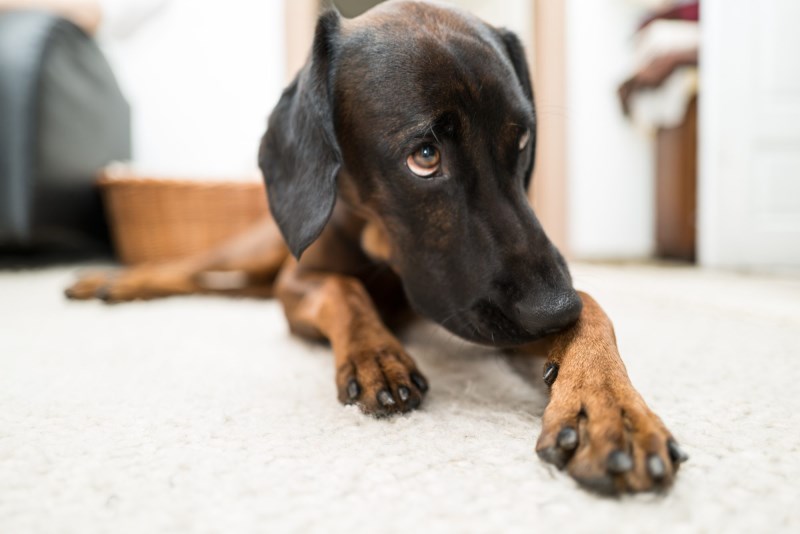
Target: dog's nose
[{"x": 549, "y": 311}]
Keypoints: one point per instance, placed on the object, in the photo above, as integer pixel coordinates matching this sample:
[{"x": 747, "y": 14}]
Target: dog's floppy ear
[
  {"x": 516, "y": 53},
  {"x": 299, "y": 154}
]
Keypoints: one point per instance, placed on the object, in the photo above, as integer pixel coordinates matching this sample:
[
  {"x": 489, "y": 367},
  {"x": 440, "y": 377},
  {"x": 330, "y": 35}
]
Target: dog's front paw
[
  {"x": 382, "y": 381},
  {"x": 139, "y": 283},
  {"x": 606, "y": 437},
  {"x": 88, "y": 286},
  {"x": 110, "y": 286}
]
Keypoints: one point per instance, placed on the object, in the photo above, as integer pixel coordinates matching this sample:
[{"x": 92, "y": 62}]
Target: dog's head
[{"x": 420, "y": 118}]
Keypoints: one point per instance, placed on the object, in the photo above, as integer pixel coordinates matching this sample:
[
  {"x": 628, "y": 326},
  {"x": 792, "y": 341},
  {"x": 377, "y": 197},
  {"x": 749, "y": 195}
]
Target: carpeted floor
[{"x": 202, "y": 414}]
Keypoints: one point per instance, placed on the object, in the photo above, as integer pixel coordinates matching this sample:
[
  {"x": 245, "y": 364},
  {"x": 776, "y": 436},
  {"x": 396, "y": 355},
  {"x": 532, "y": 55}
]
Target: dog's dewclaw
[{"x": 550, "y": 373}]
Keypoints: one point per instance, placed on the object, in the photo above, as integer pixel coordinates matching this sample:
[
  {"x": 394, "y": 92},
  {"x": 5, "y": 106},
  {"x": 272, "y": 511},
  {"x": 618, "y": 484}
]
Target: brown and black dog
[{"x": 397, "y": 164}]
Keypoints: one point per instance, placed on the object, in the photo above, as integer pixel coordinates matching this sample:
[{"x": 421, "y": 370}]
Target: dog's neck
[
  {"x": 364, "y": 225},
  {"x": 375, "y": 243}
]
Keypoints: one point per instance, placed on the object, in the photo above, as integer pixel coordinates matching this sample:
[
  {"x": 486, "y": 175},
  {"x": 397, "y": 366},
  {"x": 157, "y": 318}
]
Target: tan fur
[
  {"x": 375, "y": 243},
  {"x": 594, "y": 395}
]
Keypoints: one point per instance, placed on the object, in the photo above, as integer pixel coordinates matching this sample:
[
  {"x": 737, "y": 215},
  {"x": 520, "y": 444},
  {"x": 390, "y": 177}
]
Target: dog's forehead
[
  {"x": 414, "y": 13},
  {"x": 408, "y": 37},
  {"x": 411, "y": 62}
]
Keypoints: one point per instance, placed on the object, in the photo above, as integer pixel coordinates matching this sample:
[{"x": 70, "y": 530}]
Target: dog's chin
[
  {"x": 483, "y": 323},
  {"x": 486, "y": 335},
  {"x": 492, "y": 331}
]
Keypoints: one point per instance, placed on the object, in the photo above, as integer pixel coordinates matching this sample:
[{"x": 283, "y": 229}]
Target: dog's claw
[
  {"x": 567, "y": 439},
  {"x": 385, "y": 398},
  {"x": 550, "y": 373},
  {"x": 619, "y": 462},
  {"x": 656, "y": 467},
  {"x": 103, "y": 293},
  {"x": 404, "y": 393},
  {"x": 676, "y": 454},
  {"x": 553, "y": 455},
  {"x": 353, "y": 389},
  {"x": 420, "y": 382}
]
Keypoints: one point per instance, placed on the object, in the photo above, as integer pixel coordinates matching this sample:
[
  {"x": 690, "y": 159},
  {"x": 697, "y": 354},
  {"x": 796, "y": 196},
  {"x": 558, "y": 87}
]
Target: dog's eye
[
  {"x": 523, "y": 141},
  {"x": 425, "y": 161}
]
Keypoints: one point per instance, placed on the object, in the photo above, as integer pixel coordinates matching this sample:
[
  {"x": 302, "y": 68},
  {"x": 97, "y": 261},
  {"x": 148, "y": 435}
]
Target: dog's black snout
[{"x": 549, "y": 312}]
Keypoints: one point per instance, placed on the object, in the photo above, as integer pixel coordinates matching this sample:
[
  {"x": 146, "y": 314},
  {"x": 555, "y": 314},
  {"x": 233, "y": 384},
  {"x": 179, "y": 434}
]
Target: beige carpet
[{"x": 202, "y": 414}]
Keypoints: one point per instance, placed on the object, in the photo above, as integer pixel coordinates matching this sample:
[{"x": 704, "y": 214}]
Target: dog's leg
[
  {"x": 243, "y": 266},
  {"x": 596, "y": 424},
  {"x": 372, "y": 368}
]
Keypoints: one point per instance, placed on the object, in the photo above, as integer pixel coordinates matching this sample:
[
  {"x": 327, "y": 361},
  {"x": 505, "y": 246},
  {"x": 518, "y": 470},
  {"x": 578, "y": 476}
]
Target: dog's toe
[
  {"x": 87, "y": 286},
  {"x": 609, "y": 443},
  {"x": 382, "y": 382}
]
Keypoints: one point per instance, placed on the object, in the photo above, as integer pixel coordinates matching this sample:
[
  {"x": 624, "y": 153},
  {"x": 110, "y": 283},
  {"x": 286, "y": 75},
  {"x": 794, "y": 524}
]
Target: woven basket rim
[
  {"x": 156, "y": 218},
  {"x": 144, "y": 181},
  {"x": 124, "y": 175}
]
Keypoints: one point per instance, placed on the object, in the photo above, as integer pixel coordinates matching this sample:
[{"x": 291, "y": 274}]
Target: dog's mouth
[{"x": 487, "y": 324}]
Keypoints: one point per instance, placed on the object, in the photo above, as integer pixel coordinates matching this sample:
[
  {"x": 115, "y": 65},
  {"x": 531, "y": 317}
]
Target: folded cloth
[
  {"x": 654, "y": 74},
  {"x": 665, "y": 106},
  {"x": 664, "y": 81},
  {"x": 665, "y": 37},
  {"x": 689, "y": 10}
]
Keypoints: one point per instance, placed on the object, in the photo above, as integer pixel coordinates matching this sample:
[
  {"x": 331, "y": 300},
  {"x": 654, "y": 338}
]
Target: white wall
[
  {"x": 610, "y": 165},
  {"x": 515, "y": 15},
  {"x": 201, "y": 77}
]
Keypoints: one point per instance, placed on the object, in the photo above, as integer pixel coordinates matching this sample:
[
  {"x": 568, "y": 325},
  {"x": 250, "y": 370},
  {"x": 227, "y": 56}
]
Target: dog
[{"x": 396, "y": 166}]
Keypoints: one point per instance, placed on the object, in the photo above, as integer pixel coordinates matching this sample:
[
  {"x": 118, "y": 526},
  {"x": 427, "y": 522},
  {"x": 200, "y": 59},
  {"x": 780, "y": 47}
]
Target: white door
[{"x": 749, "y": 192}]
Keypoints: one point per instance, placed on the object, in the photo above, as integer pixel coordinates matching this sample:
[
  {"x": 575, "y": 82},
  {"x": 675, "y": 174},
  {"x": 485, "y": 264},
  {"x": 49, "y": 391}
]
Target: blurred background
[{"x": 642, "y": 154}]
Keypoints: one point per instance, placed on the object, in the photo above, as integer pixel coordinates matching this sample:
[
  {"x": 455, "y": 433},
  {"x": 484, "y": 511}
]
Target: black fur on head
[{"x": 464, "y": 240}]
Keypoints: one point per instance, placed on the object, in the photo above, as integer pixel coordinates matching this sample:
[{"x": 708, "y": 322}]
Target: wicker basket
[{"x": 156, "y": 219}]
